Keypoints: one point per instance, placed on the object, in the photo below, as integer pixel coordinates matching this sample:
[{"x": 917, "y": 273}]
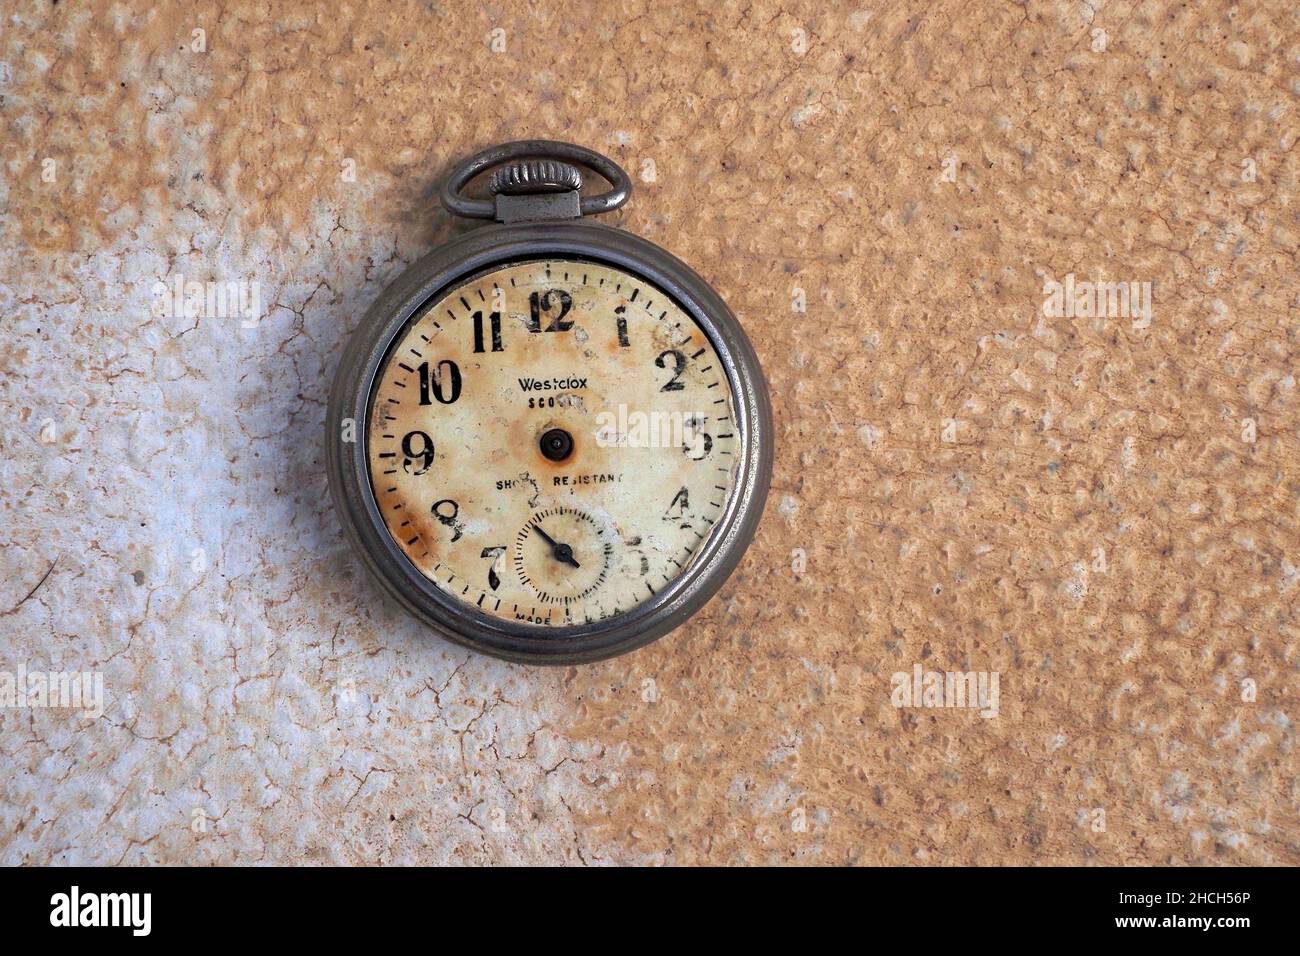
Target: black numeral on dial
[
  {"x": 620, "y": 314},
  {"x": 543, "y": 303},
  {"x": 417, "y": 446},
  {"x": 679, "y": 366},
  {"x": 492, "y": 553},
  {"x": 446, "y": 511},
  {"x": 444, "y": 383},
  {"x": 494, "y": 320}
]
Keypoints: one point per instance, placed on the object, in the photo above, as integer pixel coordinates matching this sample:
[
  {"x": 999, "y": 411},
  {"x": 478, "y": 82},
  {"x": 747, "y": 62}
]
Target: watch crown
[{"x": 530, "y": 176}]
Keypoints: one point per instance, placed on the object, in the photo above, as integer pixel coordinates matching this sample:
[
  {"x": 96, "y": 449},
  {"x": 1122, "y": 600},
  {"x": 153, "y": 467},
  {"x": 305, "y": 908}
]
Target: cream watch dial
[{"x": 552, "y": 441}]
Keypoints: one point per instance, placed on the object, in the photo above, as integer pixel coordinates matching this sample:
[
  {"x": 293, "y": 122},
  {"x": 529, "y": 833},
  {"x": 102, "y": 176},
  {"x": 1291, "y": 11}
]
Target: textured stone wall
[{"x": 1103, "y": 510}]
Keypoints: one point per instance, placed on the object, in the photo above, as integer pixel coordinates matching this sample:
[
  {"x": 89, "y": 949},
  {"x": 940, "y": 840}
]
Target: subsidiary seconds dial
[{"x": 551, "y": 441}]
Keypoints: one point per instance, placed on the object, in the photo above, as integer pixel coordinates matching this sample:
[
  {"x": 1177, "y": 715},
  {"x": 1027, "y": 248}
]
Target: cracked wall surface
[{"x": 1101, "y": 509}]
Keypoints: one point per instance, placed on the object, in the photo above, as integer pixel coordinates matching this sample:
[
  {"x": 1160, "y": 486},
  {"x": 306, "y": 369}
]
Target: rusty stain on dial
[{"x": 552, "y": 441}]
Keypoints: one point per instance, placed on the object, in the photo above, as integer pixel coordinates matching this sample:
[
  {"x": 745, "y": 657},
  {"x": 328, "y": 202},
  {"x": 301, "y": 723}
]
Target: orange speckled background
[{"x": 1104, "y": 514}]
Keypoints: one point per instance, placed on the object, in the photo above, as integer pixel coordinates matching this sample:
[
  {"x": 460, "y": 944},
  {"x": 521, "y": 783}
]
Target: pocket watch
[{"x": 549, "y": 439}]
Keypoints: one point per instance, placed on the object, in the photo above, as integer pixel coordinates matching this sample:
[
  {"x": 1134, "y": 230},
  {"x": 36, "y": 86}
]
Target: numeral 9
[{"x": 417, "y": 446}]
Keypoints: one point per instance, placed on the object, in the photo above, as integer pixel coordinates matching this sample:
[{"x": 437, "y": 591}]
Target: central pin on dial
[{"x": 557, "y": 444}]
